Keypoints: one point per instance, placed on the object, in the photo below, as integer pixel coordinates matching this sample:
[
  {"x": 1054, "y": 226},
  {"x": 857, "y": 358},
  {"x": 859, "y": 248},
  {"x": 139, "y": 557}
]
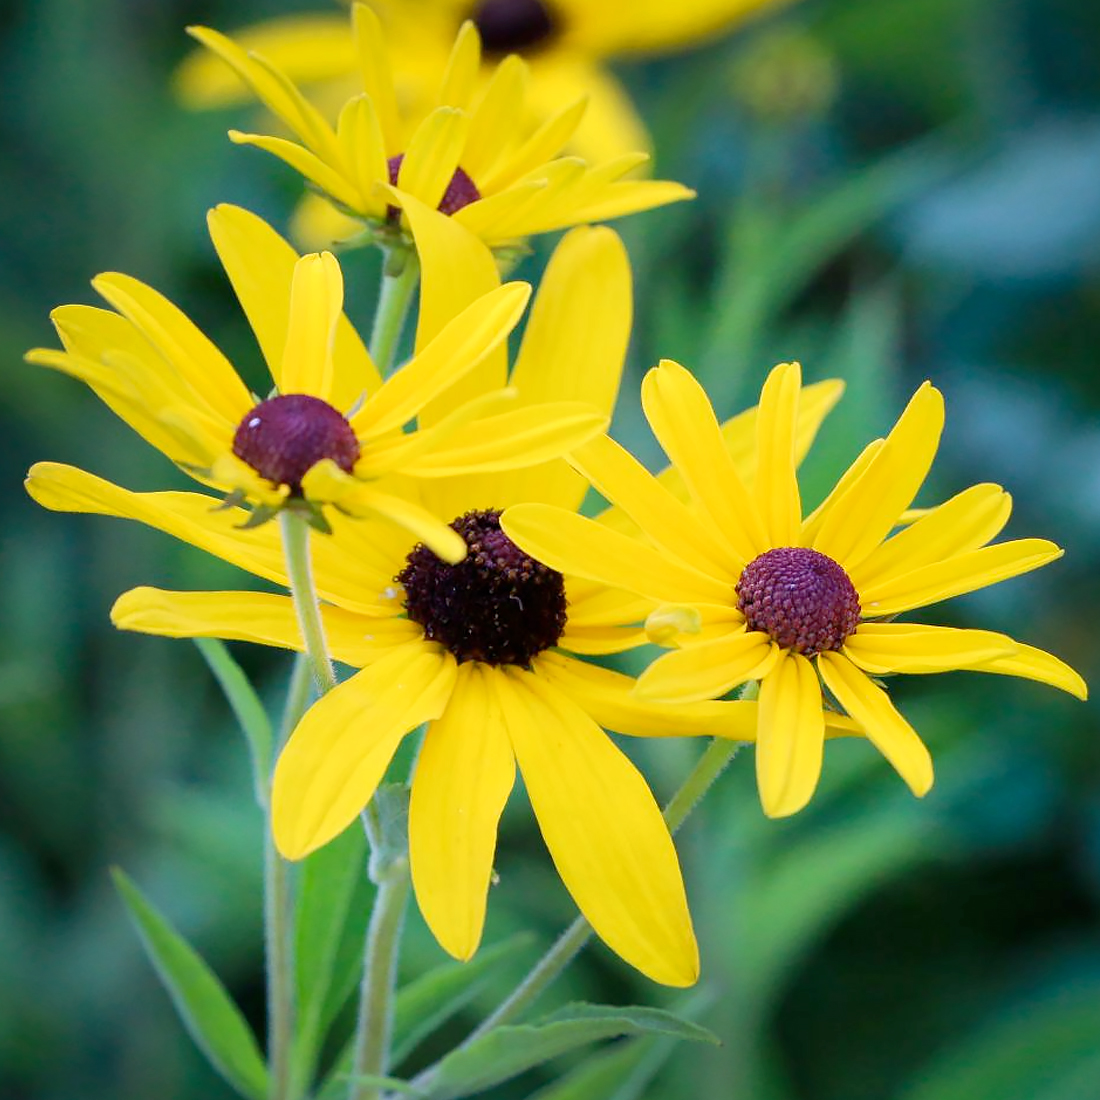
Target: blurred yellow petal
[
  {"x": 337, "y": 755},
  {"x": 495, "y": 116},
  {"x": 375, "y": 72},
  {"x": 603, "y": 829},
  {"x": 463, "y": 66},
  {"x": 464, "y": 774},
  {"x": 707, "y": 670},
  {"x": 790, "y": 741}
]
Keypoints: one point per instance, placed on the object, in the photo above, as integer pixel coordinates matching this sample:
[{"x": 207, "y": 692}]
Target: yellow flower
[
  {"x": 471, "y": 151},
  {"x": 566, "y": 42},
  {"x": 332, "y": 428},
  {"x": 485, "y": 652},
  {"x": 753, "y": 592}
]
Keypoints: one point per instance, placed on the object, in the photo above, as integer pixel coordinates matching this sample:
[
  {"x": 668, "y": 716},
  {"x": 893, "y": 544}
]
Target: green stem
[
  {"x": 299, "y": 571},
  {"x": 279, "y": 915},
  {"x": 400, "y": 272},
  {"x": 375, "y": 1027}
]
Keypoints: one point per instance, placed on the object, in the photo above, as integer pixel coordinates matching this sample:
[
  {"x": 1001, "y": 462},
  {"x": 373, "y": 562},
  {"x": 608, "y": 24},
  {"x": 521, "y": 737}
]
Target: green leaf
[
  {"x": 247, "y": 707},
  {"x": 508, "y": 1051},
  {"x": 207, "y": 1011},
  {"x": 392, "y": 1084},
  {"x": 333, "y": 887}
]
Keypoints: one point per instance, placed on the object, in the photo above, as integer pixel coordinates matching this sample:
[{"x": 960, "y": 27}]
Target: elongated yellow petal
[
  {"x": 339, "y": 752},
  {"x": 603, "y": 829},
  {"x": 881, "y": 648},
  {"x": 961, "y": 573},
  {"x": 259, "y": 617},
  {"x": 496, "y": 116},
  {"x": 573, "y": 544},
  {"x": 965, "y": 522},
  {"x": 455, "y": 351},
  {"x": 631, "y": 197},
  {"x": 364, "y": 148},
  {"x": 683, "y": 421},
  {"x": 870, "y": 706},
  {"x": 460, "y": 76},
  {"x": 776, "y": 489},
  {"x": 1036, "y": 664},
  {"x": 464, "y": 774},
  {"x": 543, "y": 145},
  {"x": 260, "y": 265},
  {"x": 609, "y": 698},
  {"x": 707, "y": 670},
  {"x": 330, "y": 179},
  {"x": 375, "y": 72},
  {"x": 316, "y": 301},
  {"x": 433, "y": 154},
  {"x": 790, "y": 741},
  {"x": 860, "y": 519}
]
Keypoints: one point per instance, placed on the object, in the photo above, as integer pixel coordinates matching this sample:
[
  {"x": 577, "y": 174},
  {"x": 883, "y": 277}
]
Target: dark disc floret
[
  {"x": 513, "y": 26},
  {"x": 497, "y": 605},
  {"x": 284, "y": 436},
  {"x": 461, "y": 191},
  {"x": 801, "y": 597}
]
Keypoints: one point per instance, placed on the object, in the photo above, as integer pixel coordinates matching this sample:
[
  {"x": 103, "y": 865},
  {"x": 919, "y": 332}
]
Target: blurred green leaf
[
  {"x": 207, "y": 1011},
  {"x": 506, "y": 1052},
  {"x": 247, "y": 707},
  {"x": 609, "y": 1074}
]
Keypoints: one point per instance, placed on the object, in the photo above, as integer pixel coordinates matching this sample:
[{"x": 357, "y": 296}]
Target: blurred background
[{"x": 889, "y": 190}]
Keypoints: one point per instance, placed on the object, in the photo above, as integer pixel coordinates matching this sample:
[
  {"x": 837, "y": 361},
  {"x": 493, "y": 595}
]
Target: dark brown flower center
[
  {"x": 497, "y": 605},
  {"x": 800, "y": 597},
  {"x": 513, "y": 26},
  {"x": 461, "y": 191},
  {"x": 283, "y": 437}
]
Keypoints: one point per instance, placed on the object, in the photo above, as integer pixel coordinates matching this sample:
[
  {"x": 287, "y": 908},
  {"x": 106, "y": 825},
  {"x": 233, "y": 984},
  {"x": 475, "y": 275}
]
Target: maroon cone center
[{"x": 801, "y": 598}]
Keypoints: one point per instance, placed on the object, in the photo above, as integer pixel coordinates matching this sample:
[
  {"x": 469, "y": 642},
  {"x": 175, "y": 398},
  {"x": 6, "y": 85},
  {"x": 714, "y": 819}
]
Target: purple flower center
[
  {"x": 801, "y": 598},
  {"x": 461, "y": 191},
  {"x": 512, "y": 26},
  {"x": 283, "y": 437},
  {"x": 497, "y": 605}
]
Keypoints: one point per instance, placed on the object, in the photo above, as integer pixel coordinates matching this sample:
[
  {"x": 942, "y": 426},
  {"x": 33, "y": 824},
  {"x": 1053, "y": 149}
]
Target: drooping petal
[
  {"x": 683, "y": 421},
  {"x": 870, "y": 706},
  {"x": 776, "y": 487},
  {"x": 464, "y": 773},
  {"x": 316, "y": 302},
  {"x": 603, "y": 829},
  {"x": 609, "y": 698},
  {"x": 339, "y": 752},
  {"x": 962, "y": 573},
  {"x": 790, "y": 741},
  {"x": 707, "y": 670},
  {"x": 881, "y": 648},
  {"x": 1036, "y": 664},
  {"x": 859, "y": 520},
  {"x": 573, "y": 544}
]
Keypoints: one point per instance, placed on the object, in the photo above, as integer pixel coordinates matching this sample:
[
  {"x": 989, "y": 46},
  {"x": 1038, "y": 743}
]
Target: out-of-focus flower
[
  {"x": 470, "y": 152},
  {"x": 332, "y": 428},
  {"x": 566, "y": 42},
  {"x": 751, "y": 591}
]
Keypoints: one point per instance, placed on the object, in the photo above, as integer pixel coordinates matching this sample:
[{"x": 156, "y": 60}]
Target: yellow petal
[
  {"x": 859, "y": 520},
  {"x": 962, "y": 573},
  {"x": 364, "y": 148},
  {"x": 464, "y": 774},
  {"x": 573, "y": 544},
  {"x": 881, "y": 648},
  {"x": 339, "y": 752},
  {"x": 1036, "y": 664},
  {"x": 260, "y": 265},
  {"x": 707, "y": 670},
  {"x": 629, "y": 197},
  {"x": 603, "y": 829},
  {"x": 965, "y": 522},
  {"x": 870, "y": 706},
  {"x": 316, "y": 301},
  {"x": 495, "y": 118},
  {"x": 432, "y": 156},
  {"x": 463, "y": 65},
  {"x": 776, "y": 489},
  {"x": 542, "y": 146},
  {"x": 790, "y": 741},
  {"x": 683, "y": 421},
  {"x": 610, "y": 700},
  {"x": 375, "y": 72},
  {"x": 811, "y": 525}
]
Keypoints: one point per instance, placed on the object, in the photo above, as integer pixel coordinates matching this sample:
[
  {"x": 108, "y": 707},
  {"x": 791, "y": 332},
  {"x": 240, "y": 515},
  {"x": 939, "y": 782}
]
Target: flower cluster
[{"x": 450, "y": 564}]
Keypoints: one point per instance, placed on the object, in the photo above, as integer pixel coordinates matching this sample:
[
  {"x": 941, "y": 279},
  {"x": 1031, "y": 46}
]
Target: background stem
[{"x": 400, "y": 272}]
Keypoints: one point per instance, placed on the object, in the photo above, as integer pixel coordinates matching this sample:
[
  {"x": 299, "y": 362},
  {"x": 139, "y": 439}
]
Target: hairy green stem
[
  {"x": 295, "y": 530},
  {"x": 400, "y": 272}
]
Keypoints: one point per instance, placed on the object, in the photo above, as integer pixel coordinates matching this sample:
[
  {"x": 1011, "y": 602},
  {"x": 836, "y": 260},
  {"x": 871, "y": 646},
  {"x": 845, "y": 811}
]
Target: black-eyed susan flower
[
  {"x": 489, "y": 653},
  {"x": 331, "y": 429},
  {"x": 752, "y": 591},
  {"x": 472, "y": 152},
  {"x": 566, "y": 42}
]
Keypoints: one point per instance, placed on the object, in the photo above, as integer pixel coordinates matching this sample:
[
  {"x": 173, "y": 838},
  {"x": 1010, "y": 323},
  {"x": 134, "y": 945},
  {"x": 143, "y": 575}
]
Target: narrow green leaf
[
  {"x": 509, "y": 1051},
  {"x": 247, "y": 707},
  {"x": 207, "y": 1011}
]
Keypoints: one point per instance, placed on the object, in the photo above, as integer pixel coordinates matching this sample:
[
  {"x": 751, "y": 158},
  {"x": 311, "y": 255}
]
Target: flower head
[
  {"x": 751, "y": 591},
  {"x": 472, "y": 152},
  {"x": 331, "y": 429}
]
